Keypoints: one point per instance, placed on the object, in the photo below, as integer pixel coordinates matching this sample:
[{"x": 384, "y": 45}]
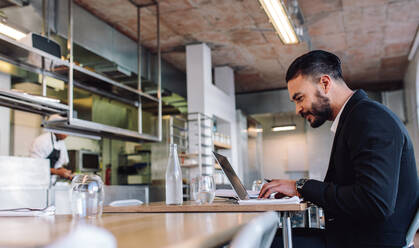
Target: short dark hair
[{"x": 314, "y": 63}]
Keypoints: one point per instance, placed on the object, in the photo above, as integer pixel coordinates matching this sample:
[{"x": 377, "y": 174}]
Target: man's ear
[{"x": 325, "y": 83}]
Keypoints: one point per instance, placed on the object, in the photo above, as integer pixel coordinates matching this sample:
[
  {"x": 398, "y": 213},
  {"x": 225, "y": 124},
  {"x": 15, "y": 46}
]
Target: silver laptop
[{"x": 232, "y": 177}]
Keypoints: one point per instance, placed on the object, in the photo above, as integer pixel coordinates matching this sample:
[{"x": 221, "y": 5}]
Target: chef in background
[{"x": 51, "y": 146}]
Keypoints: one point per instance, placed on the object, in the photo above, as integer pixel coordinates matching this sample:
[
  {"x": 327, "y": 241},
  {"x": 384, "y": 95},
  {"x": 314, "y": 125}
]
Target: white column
[
  {"x": 5, "y": 84},
  {"x": 198, "y": 76},
  {"x": 222, "y": 104},
  {"x": 213, "y": 100},
  {"x": 224, "y": 79}
]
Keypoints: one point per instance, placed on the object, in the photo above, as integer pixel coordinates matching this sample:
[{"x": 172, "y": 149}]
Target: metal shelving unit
[
  {"x": 178, "y": 129},
  {"x": 33, "y": 104},
  {"x": 47, "y": 65},
  {"x": 178, "y": 134},
  {"x": 200, "y": 140},
  {"x": 139, "y": 164},
  {"x": 192, "y": 134}
]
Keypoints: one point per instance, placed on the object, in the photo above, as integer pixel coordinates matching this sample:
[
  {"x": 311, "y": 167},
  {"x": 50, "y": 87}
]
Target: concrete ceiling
[{"x": 371, "y": 37}]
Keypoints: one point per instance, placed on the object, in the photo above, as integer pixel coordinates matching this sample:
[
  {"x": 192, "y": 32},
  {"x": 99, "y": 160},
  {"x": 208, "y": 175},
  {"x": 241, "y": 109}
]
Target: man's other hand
[
  {"x": 64, "y": 173},
  {"x": 280, "y": 187}
]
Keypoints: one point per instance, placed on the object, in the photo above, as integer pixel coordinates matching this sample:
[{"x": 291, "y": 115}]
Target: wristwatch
[{"x": 300, "y": 184}]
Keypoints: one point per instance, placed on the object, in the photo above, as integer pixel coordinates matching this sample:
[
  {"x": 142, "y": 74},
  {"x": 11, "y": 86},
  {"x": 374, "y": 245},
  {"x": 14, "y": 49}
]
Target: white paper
[
  {"x": 285, "y": 200},
  {"x": 29, "y": 212},
  {"x": 123, "y": 203}
]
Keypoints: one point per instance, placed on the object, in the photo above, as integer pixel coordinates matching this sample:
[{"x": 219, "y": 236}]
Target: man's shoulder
[
  {"x": 374, "y": 114},
  {"x": 42, "y": 137},
  {"x": 367, "y": 108},
  {"x": 40, "y": 144}
]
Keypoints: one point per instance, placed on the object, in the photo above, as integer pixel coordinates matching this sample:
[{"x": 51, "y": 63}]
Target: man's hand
[
  {"x": 281, "y": 187},
  {"x": 64, "y": 173}
]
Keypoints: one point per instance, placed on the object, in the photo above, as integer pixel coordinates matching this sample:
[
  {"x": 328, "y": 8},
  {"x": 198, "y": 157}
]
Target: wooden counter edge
[{"x": 217, "y": 207}]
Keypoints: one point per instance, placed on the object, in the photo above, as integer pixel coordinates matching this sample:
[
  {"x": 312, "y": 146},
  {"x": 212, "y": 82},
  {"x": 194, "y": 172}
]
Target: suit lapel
[{"x": 355, "y": 98}]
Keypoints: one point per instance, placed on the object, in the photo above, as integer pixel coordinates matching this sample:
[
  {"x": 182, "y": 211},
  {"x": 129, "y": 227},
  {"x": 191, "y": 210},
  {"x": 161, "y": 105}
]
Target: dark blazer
[{"x": 370, "y": 193}]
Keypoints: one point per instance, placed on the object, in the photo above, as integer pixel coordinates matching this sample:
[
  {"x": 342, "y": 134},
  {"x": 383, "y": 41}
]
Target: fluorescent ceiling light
[
  {"x": 283, "y": 128},
  {"x": 256, "y": 130},
  {"x": 11, "y": 32},
  {"x": 279, "y": 19}
]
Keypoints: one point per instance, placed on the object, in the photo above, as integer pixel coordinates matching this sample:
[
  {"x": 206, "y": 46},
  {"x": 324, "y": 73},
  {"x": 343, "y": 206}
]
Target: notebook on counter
[{"x": 243, "y": 196}]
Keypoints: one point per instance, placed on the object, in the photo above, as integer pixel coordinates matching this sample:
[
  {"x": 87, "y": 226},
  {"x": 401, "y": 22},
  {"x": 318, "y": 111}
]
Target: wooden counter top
[
  {"x": 130, "y": 229},
  {"x": 216, "y": 206},
  {"x": 189, "y": 225}
]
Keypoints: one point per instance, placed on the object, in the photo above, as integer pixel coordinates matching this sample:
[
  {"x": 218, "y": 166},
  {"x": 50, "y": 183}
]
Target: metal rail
[{"x": 139, "y": 59}]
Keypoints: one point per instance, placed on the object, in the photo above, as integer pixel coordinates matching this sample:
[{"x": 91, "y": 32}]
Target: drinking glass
[
  {"x": 87, "y": 196},
  {"x": 257, "y": 185},
  {"x": 206, "y": 189},
  {"x": 194, "y": 188}
]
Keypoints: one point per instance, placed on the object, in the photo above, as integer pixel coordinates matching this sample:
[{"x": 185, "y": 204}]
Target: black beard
[{"x": 320, "y": 110}]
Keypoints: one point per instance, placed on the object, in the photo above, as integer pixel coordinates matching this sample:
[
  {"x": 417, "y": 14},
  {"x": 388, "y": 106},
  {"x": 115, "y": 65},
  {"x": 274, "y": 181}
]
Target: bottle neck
[{"x": 173, "y": 148}]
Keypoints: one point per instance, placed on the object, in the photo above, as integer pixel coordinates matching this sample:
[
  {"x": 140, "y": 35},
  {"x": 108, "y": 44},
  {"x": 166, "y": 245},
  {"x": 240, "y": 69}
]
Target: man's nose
[{"x": 298, "y": 109}]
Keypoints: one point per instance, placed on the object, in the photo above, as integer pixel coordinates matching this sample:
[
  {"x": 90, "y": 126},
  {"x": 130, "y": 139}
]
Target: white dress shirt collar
[{"x": 336, "y": 121}]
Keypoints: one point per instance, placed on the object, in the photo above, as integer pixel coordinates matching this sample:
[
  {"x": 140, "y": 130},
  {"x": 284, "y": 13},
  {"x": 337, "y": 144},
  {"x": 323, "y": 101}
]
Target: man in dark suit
[{"x": 370, "y": 193}]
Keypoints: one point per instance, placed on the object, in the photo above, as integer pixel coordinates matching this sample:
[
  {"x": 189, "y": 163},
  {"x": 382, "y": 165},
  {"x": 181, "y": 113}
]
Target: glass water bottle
[{"x": 174, "y": 194}]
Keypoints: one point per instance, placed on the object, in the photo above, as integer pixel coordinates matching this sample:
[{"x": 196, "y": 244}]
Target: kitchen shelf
[
  {"x": 219, "y": 145},
  {"x": 192, "y": 155},
  {"x": 19, "y": 54},
  {"x": 95, "y": 130},
  {"x": 188, "y": 155},
  {"x": 30, "y": 103},
  {"x": 85, "y": 76},
  {"x": 195, "y": 165},
  {"x": 30, "y": 59},
  {"x": 189, "y": 165},
  {"x": 180, "y": 128}
]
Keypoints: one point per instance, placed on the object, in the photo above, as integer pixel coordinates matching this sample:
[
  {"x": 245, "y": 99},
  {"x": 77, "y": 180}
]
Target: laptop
[
  {"x": 242, "y": 193},
  {"x": 232, "y": 177}
]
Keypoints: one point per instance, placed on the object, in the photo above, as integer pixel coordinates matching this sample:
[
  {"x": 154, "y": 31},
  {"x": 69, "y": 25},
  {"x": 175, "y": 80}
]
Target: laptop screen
[{"x": 232, "y": 177}]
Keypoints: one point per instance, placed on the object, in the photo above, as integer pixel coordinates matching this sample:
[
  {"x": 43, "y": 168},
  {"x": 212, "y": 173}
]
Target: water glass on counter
[
  {"x": 203, "y": 189},
  {"x": 257, "y": 185},
  {"x": 87, "y": 195}
]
